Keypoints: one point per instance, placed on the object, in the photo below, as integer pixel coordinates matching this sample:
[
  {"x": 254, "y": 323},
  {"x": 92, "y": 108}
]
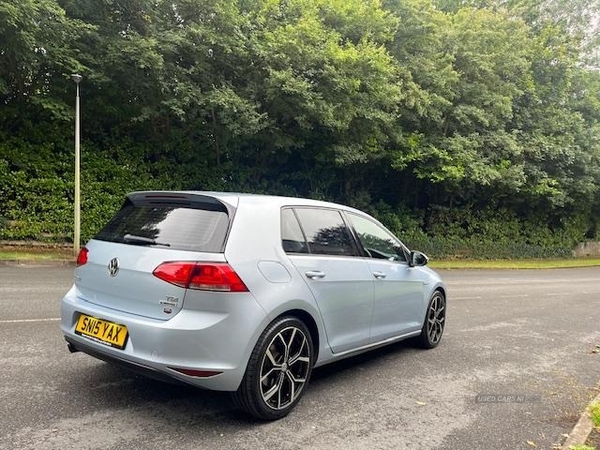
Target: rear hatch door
[{"x": 149, "y": 229}]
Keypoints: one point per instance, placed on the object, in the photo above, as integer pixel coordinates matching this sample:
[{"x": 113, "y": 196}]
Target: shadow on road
[{"x": 100, "y": 385}]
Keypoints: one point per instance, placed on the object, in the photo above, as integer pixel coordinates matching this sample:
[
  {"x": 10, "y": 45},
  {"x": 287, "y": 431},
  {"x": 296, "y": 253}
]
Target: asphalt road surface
[{"x": 516, "y": 364}]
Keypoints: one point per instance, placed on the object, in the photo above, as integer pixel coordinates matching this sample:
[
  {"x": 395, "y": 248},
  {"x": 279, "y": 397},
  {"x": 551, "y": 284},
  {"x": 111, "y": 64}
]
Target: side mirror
[{"x": 417, "y": 259}]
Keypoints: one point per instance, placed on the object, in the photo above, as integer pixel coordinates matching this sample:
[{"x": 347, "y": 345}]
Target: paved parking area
[{"x": 516, "y": 365}]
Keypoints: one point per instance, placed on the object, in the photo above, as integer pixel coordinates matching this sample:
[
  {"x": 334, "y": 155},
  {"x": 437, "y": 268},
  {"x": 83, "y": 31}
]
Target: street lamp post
[{"x": 77, "y": 228}]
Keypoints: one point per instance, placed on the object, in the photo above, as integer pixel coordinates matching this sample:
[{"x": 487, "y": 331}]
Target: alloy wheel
[
  {"x": 436, "y": 318},
  {"x": 285, "y": 368}
]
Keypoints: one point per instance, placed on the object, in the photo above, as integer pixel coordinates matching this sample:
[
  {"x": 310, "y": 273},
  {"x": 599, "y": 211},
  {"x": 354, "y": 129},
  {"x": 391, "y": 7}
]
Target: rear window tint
[
  {"x": 325, "y": 232},
  {"x": 190, "y": 226},
  {"x": 292, "y": 239}
]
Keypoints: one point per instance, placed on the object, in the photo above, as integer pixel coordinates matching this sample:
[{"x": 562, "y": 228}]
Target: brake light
[
  {"x": 82, "y": 257},
  {"x": 201, "y": 276}
]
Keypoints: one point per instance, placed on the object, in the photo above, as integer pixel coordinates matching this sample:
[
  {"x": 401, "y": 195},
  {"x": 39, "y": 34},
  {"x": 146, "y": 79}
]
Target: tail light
[
  {"x": 218, "y": 277},
  {"x": 82, "y": 257}
]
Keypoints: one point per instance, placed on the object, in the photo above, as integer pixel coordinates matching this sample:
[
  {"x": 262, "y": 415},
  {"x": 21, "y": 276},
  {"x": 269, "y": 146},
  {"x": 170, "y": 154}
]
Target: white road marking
[
  {"x": 53, "y": 319},
  {"x": 29, "y": 289}
]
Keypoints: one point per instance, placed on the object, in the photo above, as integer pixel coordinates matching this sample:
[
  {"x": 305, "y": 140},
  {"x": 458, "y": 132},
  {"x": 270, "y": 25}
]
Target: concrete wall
[{"x": 587, "y": 249}]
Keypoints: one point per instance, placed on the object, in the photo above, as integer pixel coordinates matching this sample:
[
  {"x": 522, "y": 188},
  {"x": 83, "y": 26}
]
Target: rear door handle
[
  {"x": 379, "y": 275},
  {"x": 315, "y": 274}
]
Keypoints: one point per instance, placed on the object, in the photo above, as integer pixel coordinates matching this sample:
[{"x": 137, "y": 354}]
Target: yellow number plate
[{"x": 103, "y": 331}]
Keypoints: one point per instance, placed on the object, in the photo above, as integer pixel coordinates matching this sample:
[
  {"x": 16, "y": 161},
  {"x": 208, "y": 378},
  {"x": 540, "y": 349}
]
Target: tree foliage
[{"x": 435, "y": 115}]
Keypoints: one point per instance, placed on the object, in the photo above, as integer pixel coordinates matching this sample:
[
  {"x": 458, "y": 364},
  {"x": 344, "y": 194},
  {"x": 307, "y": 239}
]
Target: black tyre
[
  {"x": 435, "y": 321},
  {"x": 278, "y": 371}
]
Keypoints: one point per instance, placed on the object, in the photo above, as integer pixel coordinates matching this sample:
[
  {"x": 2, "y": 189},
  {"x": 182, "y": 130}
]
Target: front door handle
[
  {"x": 315, "y": 274},
  {"x": 379, "y": 275}
]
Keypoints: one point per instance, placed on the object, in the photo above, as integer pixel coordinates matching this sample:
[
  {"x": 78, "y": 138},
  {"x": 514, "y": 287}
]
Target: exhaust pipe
[{"x": 72, "y": 348}]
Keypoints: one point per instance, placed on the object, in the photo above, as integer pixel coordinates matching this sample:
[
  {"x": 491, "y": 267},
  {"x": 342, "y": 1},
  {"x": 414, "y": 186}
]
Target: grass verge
[
  {"x": 24, "y": 256},
  {"x": 35, "y": 254},
  {"x": 49, "y": 254},
  {"x": 593, "y": 440},
  {"x": 595, "y": 414},
  {"x": 515, "y": 264}
]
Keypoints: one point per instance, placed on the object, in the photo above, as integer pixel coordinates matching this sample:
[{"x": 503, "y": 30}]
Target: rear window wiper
[{"x": 141, "y": 240}]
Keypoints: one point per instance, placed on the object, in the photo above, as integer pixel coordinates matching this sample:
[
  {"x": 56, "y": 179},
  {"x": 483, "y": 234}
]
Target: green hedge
[
  {"x": 451, "y": 247},
  {"x": 465, "y": 233},
  {"x": 36, "y": 193}
]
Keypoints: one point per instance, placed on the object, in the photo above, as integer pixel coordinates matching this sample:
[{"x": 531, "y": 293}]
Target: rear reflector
[
  {"x": 196, "y": 373},
  {"x": 202, "y": 276},
  {"x": 82, "y": 258}
]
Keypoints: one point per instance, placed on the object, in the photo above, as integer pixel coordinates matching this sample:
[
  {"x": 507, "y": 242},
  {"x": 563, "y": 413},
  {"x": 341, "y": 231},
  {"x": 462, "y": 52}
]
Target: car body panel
[
  {"x": 133, "y": 289},
  {"x": 216, "y": 333},
  {"x": 349, "y": 309},
  {"x": 344, "y": 296},
  {"x": 400, "y": 298}
]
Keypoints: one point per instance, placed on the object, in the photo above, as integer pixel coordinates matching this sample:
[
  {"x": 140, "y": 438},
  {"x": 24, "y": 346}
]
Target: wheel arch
[
  {"x": 439, "y": 288},
  {"x": 442, "y": 289},
  {"x": 310, "y": 323}
]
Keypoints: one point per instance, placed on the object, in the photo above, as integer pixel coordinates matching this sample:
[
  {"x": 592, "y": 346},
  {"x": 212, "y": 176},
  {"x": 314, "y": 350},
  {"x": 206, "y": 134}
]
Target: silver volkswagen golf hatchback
[{"x": 246, "y": 293}]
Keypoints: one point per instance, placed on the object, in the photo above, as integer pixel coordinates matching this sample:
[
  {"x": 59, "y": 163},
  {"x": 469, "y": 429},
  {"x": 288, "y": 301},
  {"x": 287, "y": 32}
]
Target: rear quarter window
[
  {"x": 190, "y": 226},
  {"x": 292, "y": 238}
]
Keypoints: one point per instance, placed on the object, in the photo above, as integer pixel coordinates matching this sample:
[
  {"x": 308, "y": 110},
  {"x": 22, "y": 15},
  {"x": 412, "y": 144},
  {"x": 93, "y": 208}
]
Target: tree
[{"x": 38, "y": 54}]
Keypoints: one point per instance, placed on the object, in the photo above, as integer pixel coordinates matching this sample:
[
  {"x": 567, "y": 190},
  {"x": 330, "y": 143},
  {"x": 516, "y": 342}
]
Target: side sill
[{"x": 365, "y": 348}]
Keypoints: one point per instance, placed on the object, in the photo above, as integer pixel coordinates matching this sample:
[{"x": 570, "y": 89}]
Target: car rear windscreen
[{"x": 193, "y": 226}]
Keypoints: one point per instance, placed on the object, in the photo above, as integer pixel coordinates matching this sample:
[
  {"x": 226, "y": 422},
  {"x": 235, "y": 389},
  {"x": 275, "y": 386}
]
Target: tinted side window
[
  {"x": 376, "y": 240},
  {"x": 189, "y": 226},
  {"x": 325, "y": 231},
  {"x": 292, "y": 239}
]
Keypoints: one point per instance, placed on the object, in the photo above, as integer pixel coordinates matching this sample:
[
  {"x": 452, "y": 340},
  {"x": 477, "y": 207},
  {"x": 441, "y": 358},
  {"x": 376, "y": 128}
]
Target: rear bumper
[
  {"x": 194, "y": 339},
  {"x": 149, "y": 372}
]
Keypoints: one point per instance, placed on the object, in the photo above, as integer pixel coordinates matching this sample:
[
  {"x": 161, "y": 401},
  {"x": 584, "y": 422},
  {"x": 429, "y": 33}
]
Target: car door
[
  {"x": 320, "y": 246},
  {"x": 399, "y": 289}
]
